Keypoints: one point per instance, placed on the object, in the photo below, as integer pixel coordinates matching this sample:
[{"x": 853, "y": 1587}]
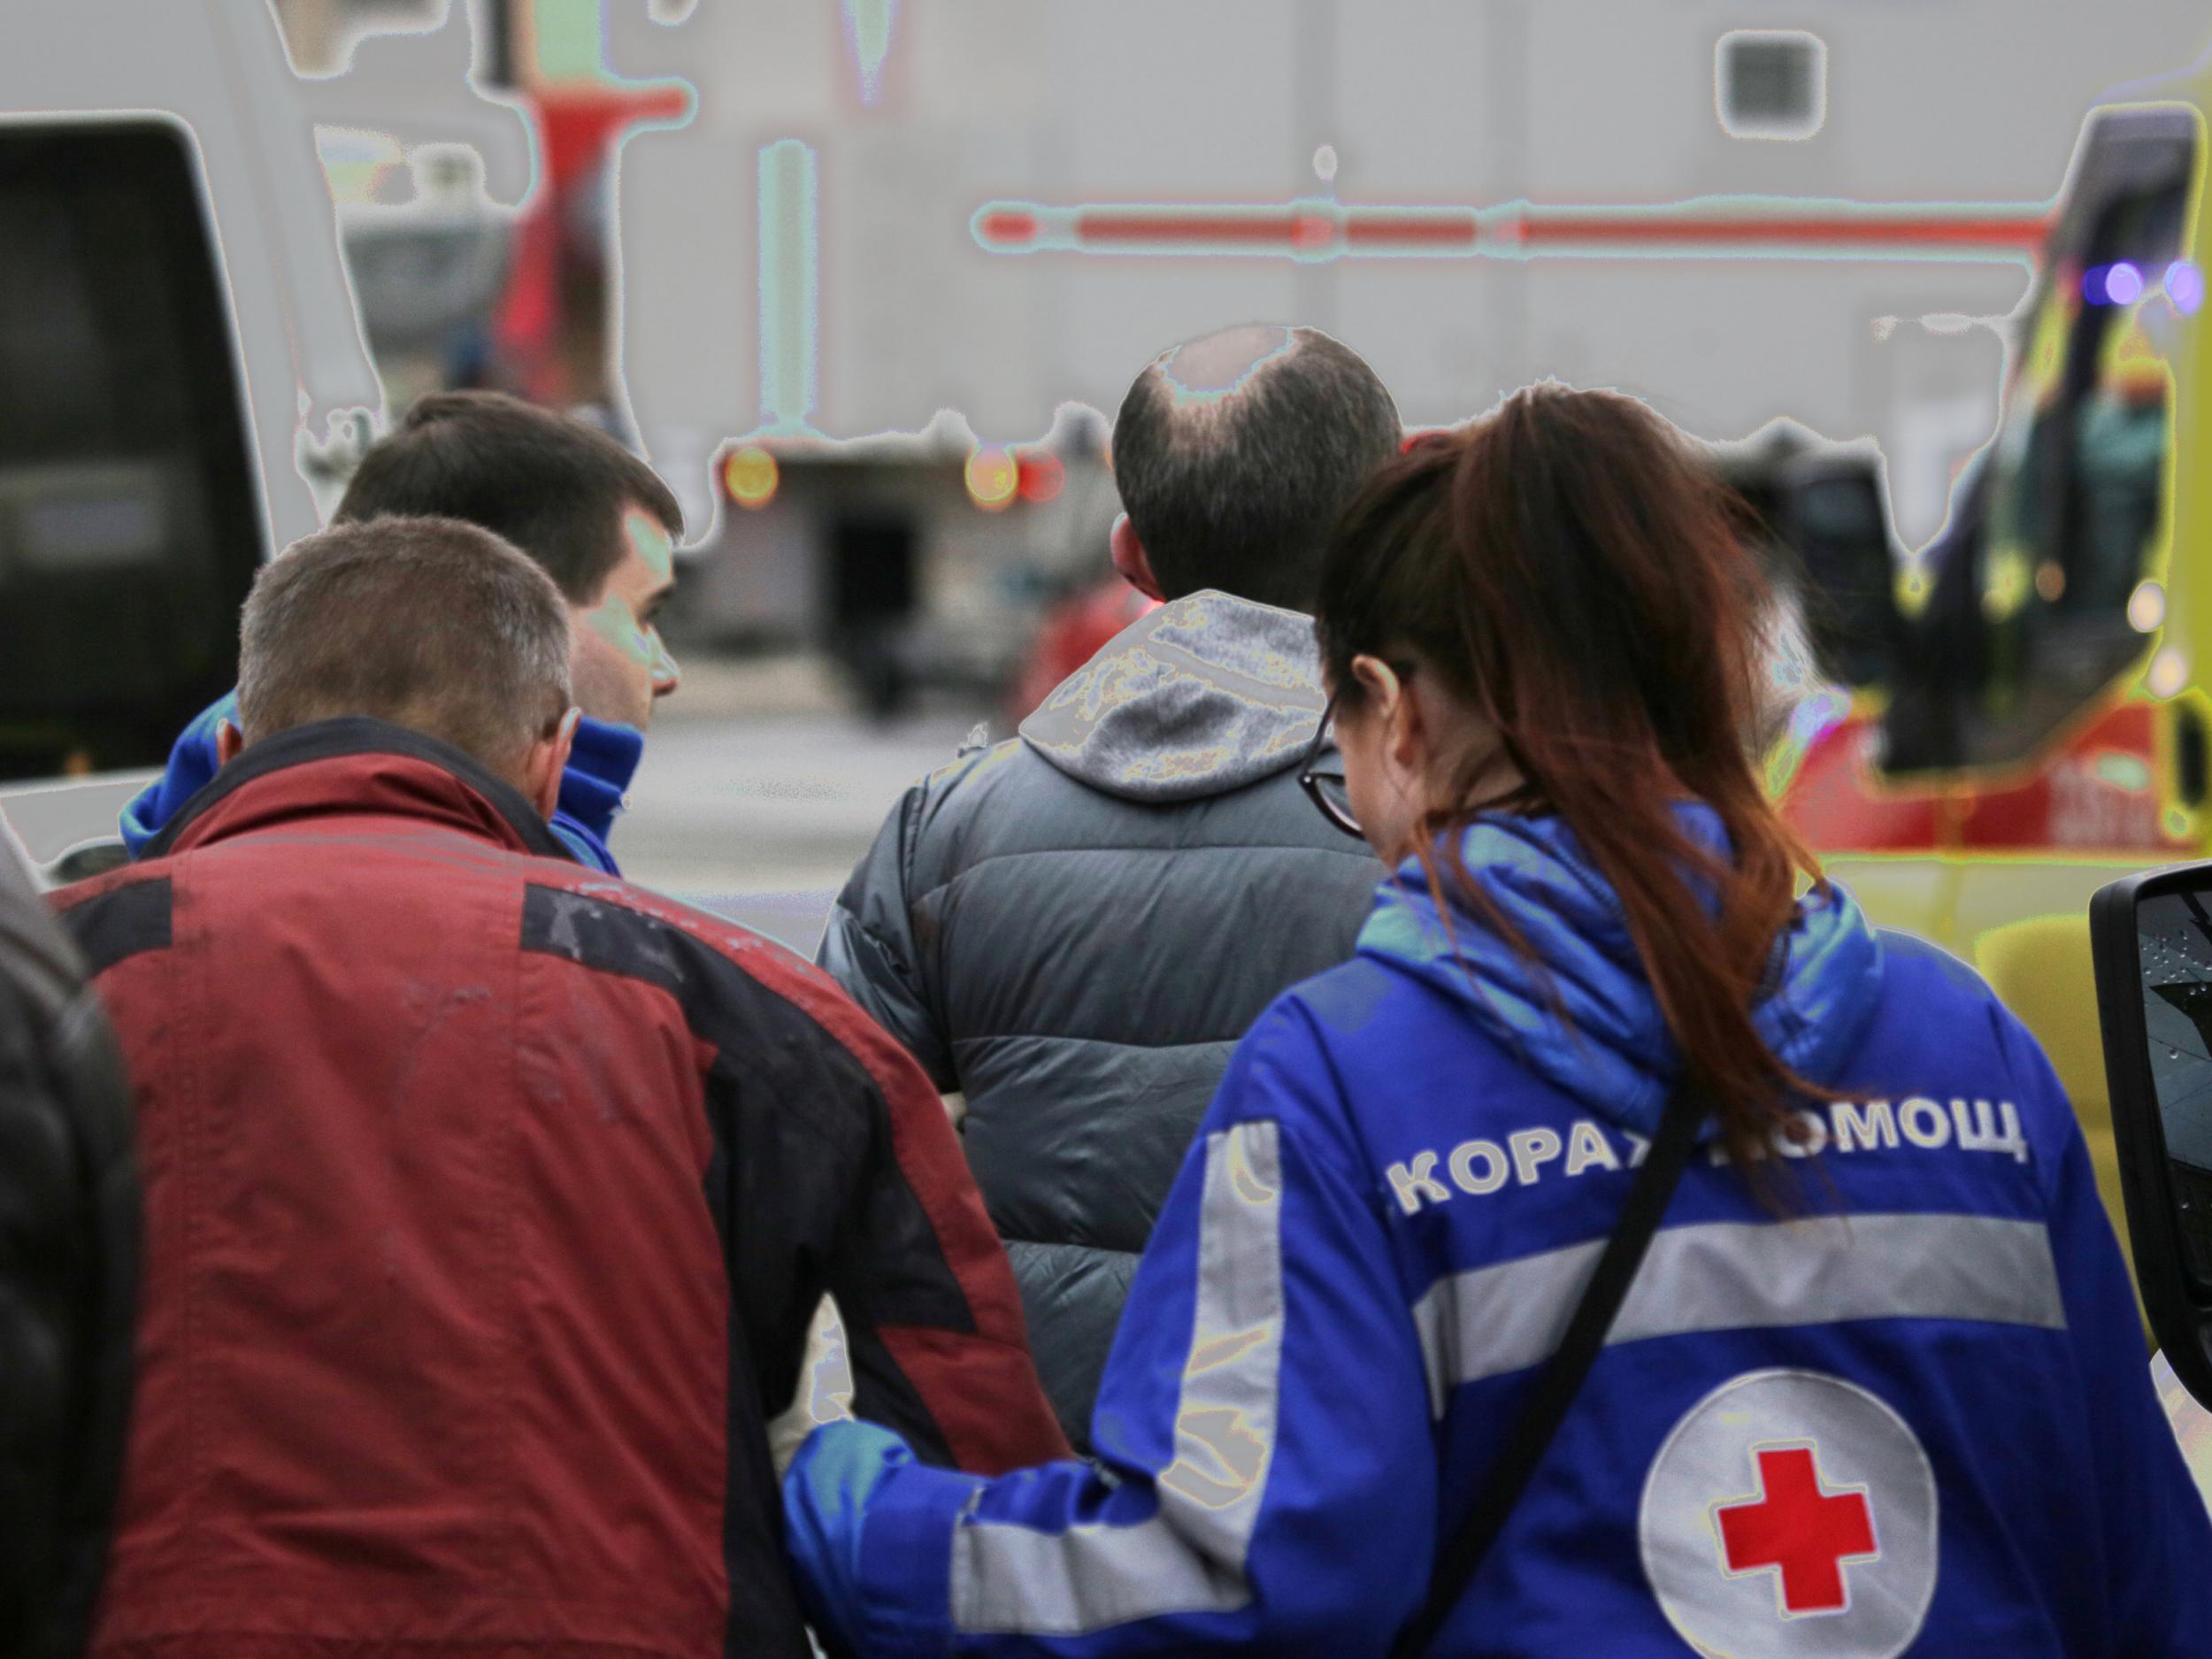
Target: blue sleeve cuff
[
  {"x": 905, "y": 1591},
  {"x": 869, "y": 1532}
]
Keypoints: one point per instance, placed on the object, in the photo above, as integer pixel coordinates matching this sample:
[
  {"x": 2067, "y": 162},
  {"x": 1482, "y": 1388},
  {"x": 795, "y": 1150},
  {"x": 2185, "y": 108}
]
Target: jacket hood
[
  {"x": 1202, "y": 697},
  {"x": 1613, "y": 1053}
]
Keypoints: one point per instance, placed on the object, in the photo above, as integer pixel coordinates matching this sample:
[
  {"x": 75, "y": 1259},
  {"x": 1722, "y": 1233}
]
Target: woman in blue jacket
[{"x": 1879, "y": 1387}]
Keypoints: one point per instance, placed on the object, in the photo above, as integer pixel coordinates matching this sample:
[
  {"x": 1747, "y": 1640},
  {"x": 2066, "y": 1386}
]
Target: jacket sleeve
[
  {"x": 69, "y": 1288},
  {"x": 1269, "y": 1471},
  {"x": 192, "y": 762},
  {"x": 933, "y": 1320},
  {"x": 2158, "y": 1536},
  {"x": 870, "y": 947}
]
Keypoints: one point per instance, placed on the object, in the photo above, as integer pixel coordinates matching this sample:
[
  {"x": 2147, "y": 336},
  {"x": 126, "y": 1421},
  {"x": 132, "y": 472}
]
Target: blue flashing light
[
  {"x": 2092, "y": 284},
  {"x": 2184, "y": 286},
  {"x": 2123, "y": 284}
]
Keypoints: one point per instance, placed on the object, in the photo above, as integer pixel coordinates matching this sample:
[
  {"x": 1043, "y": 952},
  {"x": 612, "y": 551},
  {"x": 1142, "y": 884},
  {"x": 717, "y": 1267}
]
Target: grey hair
[{"x": 430, "y": 624}]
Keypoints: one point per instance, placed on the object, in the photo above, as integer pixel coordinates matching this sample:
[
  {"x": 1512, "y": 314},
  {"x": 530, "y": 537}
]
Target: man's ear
[
  {"x": 542, "y": 766},
  {"x": 1130, "y": 560},
  {"x": 228, "y": 741}
]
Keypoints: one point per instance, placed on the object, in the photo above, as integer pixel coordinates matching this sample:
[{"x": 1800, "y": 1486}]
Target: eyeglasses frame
[{"x": 1309, "y": 775}]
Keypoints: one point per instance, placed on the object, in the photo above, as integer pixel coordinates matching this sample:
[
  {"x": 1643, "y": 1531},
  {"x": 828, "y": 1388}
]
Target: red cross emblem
[
  {"x": 1799, "y": 1529},
  {"x": 1789, "y": 1562}
]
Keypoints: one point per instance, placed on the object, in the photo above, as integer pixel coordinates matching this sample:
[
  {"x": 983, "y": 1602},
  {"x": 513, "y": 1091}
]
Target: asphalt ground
[{"x": 759, "y": 791}]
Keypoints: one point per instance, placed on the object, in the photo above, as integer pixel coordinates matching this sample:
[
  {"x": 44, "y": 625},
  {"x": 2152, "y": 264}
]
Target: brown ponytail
[{"x": 1569, "y": 565}]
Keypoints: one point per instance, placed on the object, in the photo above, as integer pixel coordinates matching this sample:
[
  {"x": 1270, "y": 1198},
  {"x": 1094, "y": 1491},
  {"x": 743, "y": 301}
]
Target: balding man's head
[{"x": 1235, "y": 453}]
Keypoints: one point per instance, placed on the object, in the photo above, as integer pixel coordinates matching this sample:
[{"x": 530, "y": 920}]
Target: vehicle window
[
  {"x": 1841, "y": 526},
  {"x": 128, "y": 527},
  {"x": 2119, "y": 451},
  {"x": 2031, "y": 617}
]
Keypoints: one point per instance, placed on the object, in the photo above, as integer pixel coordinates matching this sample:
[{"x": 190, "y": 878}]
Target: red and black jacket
[{"x": 487, "y": 1203}]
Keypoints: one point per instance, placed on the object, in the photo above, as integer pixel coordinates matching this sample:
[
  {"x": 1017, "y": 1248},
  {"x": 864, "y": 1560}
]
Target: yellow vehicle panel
[{"x": 2077, "y": 609}]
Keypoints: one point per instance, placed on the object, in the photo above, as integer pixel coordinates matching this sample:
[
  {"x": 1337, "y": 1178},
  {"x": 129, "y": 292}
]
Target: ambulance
[{"x": 2038, "y": 724}]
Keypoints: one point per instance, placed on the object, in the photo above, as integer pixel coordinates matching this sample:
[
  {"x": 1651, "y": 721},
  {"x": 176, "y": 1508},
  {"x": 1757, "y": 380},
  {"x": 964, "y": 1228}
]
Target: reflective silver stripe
[
  {"x": 1734, "y": 1275},
  {"x": 1189, "y": 1556}
]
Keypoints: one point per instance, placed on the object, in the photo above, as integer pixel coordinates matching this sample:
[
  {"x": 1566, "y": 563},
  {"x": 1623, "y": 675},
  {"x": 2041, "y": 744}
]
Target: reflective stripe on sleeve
[
  {"x": 1737, "y": 1276},
  {"x": 1189, "y": 1556}
]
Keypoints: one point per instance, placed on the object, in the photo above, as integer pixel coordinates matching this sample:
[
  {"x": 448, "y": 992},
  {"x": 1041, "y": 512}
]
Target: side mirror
[
  {"x": 1831, "y": 514},
  {"x": 2151, "y": 941}
]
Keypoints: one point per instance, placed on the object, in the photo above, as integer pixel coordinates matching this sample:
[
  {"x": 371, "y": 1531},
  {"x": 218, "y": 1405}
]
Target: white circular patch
[{"x": 1791, "y": 1514}]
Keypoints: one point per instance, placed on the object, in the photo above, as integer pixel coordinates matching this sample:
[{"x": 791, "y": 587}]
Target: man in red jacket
[{"x": 489, "y": 1197}]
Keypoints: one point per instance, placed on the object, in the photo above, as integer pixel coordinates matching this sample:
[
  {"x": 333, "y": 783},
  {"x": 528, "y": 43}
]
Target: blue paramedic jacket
[
  {"x": 1909, "y": 1414},
  {"x": 593, "y": 788}
]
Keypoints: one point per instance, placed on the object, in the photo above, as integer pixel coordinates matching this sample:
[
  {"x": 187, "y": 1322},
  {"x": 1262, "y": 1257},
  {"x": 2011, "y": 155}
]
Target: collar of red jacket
[{"x": 356, "y": 765}]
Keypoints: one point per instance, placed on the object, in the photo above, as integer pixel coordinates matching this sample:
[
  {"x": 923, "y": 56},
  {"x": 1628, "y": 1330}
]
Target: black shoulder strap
[{"x": 1562, "y": 1378}]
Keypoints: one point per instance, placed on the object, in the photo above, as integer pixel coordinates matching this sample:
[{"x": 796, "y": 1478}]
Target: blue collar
[
  {"x": 595, "y": 787},
  {"x": 1613, "y": 1050}
]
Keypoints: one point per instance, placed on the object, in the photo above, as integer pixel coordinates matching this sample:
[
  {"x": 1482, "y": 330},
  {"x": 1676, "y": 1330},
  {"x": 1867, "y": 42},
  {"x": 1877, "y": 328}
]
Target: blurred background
[{"x": 745, "y": 239}]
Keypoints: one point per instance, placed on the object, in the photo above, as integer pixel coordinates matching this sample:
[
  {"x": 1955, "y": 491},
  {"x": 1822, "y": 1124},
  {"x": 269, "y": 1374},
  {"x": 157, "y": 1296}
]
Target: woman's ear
[
  {"x": 1408, "y": 734},
  {"x": 1378, "y": 681},
  {"x": 1405, "y": 736}
]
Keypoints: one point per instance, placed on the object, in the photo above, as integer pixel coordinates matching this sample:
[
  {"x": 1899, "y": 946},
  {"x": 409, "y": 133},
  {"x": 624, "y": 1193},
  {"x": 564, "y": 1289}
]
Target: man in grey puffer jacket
[{"x": 1073, "y": 929}]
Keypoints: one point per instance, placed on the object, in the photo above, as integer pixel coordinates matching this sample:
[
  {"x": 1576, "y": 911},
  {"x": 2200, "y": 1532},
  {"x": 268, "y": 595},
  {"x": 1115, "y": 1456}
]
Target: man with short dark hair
[
  {"x": 489, "y": 1198},
  {"x": 593, "y": 517},
  {"x": 1073, "y": 929}
]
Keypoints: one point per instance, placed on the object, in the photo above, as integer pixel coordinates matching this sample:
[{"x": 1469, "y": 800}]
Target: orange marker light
[
  {"x": 992, "y": 478},
  {"x": 751, "y": 475}
]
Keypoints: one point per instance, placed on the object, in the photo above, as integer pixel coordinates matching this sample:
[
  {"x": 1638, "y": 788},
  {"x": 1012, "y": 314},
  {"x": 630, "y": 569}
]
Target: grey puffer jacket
[
  {"x": 1073, "y": 929},
  {"x": 69, "y": 1231}
]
